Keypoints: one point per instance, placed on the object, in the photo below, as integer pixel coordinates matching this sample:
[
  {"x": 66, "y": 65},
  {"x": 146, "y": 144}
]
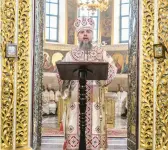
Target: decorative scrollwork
[
  {"x": 146, "y": 128},
  {"x": 7, "y": 100},
  {"x": 23, "y": 74},
  {"x": 162, "y": 78}
]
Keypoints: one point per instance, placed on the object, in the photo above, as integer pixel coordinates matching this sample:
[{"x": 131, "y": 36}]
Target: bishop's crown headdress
[{"x": 84, "y": 23}]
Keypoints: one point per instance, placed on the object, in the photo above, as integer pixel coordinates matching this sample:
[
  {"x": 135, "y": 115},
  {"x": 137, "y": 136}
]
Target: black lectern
[{"x": 82, "y": 71}]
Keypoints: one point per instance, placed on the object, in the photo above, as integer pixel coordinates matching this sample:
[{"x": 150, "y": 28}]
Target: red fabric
[
  {"x": 65, "y": 145},
  {"x": 61, "y": 127}
]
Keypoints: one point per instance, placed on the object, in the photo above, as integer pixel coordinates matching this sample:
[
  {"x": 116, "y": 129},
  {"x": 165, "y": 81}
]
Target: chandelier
[{"x": 93, "y": 5}]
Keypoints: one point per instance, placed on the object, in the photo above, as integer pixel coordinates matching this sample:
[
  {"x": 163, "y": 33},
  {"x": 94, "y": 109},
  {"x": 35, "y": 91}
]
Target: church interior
[{"x": 35, "y": 35}]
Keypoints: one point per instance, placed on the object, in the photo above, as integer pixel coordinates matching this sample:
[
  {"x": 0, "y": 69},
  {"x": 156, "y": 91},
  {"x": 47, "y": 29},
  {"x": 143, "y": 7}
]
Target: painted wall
[
  {"x": 50, "y": 57},
  {"x": 54, "y": 53},
  {"x": 71, "y": 17}
]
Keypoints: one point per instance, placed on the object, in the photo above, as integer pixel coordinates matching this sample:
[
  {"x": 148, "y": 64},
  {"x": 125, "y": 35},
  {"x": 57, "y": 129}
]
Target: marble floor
[
  {"x": 55, "y": 143},
  {"x": 50, "y": 121},
  {"x": 119, "y": 122}
]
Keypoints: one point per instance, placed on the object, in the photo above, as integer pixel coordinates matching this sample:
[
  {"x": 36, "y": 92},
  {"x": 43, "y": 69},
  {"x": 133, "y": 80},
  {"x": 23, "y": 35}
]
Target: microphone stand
[{"x": 83, "y": 103}]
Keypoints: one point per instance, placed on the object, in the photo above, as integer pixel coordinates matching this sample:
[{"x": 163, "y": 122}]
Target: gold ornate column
[
  {"x": 23, "y": 73},
  {"x": 7, "y": 92},
  {"x": 146, "y": 97},
  {"x": 162, "y": 81},
  {"x": 153, "y": 123},
  {"x": 15, "y": 74},
  {"x": 60, "y": 110}
]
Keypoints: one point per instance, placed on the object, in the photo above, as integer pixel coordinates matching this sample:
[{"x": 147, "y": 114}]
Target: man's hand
[
  {"x": 58, "y": 96},
  {"x": 66, "y": 94}
]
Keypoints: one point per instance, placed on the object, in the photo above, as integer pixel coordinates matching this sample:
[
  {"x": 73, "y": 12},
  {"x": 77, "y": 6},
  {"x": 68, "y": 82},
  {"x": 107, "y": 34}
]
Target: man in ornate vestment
[
  {"x": 122, "y": 97},
  {"x": 45, "y": 101},
  {"x": 96, "y": 131}
]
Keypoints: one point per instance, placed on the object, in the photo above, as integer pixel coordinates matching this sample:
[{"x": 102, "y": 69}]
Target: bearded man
[{"x": 96, "y": 134}]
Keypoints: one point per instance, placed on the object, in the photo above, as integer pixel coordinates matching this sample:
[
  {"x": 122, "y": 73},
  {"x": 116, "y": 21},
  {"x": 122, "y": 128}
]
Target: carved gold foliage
[
  {"x": 146, "y": 121},
  {"x": 23, "y": 74},
  {"x": 162, "y": 78},
  {"x": 8, "y": 28},
  {"x": 163, "y": 22}
]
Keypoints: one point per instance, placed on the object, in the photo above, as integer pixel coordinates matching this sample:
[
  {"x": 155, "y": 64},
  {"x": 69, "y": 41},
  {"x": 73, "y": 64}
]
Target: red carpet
[
  {"x": 117, "y": 132},
  {"x": 111, "y": 132}
]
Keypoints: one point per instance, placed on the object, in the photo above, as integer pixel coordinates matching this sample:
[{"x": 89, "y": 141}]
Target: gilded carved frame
[{"x": 14, "y": 90}]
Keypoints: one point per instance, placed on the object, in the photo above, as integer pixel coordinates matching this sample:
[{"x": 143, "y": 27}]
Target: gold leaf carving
[
  {"x": 7, "y": 33},
  {"x": 146, "y": 121},
  {"x": 162, "y": 78},
  {"x": 23, "y": 74}
]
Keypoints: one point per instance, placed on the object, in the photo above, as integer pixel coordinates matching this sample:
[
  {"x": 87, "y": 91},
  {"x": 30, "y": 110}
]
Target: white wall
[
  {"x": 116, "y": 21},
  {"x": 62, "y": 19}
]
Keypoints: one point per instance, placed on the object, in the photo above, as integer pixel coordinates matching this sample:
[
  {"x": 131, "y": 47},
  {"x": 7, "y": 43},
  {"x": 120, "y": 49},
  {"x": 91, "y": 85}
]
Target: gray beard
[{"x": 85, "y": 46}]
